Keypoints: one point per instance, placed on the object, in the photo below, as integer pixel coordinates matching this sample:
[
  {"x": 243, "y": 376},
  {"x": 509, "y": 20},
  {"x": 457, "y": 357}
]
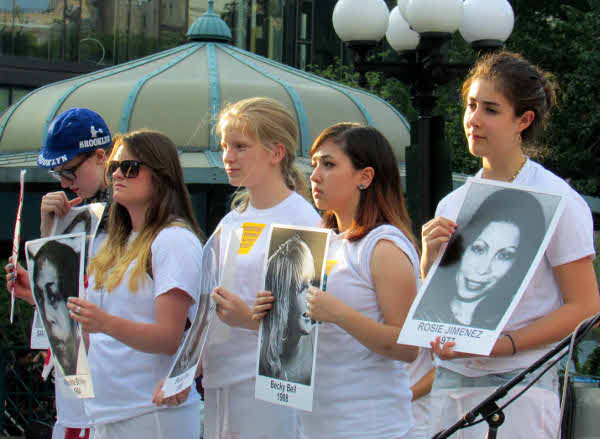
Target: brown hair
[
  {"x": 383, "y": 201},
  {"x": 268, "y": 122},
  {"x": 524, "y": 85},
  {"x": 170, "y": 206}
]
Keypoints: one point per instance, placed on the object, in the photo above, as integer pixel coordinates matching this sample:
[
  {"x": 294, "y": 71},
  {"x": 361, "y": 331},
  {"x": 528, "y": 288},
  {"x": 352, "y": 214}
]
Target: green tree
[{"x": 560, "y": 37}]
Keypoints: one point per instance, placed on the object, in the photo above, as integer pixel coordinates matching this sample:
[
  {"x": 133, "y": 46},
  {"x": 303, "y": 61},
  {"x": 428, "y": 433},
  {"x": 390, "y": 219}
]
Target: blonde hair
[
  {"x": 170, "y": 206},
  {"x": 269, "y": 123}
]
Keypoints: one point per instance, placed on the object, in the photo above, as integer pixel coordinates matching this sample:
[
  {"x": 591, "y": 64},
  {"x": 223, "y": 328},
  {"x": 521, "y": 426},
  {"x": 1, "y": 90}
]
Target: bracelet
[{"x": 511, "y": 342}]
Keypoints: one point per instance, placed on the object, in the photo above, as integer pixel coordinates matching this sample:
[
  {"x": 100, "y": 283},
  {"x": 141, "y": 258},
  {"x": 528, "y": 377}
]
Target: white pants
[
  {"x": 170, "y": 423},
  {"x": 232, "y": 413},
  {"x": 422, "y": 416},
  {"x": 533, "y": 416}
]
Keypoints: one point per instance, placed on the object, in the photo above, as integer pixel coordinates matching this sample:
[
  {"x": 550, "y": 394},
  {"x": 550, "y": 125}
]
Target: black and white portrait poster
[
  {"x": 84, "y": 219},
  {"x": 183, "y": 370},
  {"x": 479, "y": 277},
  {"x": 287, "y": 339},
  {"x": 55, "y": 267}
]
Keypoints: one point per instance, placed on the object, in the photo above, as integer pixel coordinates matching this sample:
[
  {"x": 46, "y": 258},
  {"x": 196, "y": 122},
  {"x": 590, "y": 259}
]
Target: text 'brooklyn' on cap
[{"x": 73, "y": 132}]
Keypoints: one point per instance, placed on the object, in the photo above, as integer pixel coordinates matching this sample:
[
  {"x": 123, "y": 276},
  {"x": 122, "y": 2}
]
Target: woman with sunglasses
[
  {"x": 75, "y": 150},
  {"x": 141, "y": 295}
]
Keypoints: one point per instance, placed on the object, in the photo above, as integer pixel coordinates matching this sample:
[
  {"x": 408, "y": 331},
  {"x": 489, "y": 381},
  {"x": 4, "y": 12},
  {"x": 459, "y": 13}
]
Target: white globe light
[
  {"x": 434, "y": 15},
  {"x": 399, "y": 34},
  {"x": 487, "y": 20},
  {"x": 360, "y": 20},
  {"x": 402, "y": 4}
]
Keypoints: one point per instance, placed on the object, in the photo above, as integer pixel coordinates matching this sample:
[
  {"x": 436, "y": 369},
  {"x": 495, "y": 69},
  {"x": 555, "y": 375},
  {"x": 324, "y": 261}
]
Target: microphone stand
[{"x": 488, "y": 408}]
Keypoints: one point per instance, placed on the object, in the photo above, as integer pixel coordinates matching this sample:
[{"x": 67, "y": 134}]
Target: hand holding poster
[
  {"x": 55, "y": 266},
  {"x": 478, "y": 279},
  {"x": 16, "y": 241},
  {"x": 183, "y": 371},
  {"x": 295, "y": 260}
]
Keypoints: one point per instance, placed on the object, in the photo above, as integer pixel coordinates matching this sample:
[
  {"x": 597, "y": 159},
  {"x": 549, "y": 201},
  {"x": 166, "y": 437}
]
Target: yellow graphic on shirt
[
  {"x": 328, "y": 267},
  {"x": 251, "y": 234}
]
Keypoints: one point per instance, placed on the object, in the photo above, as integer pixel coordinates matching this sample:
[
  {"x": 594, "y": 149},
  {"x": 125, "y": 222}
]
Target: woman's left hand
[
  {"x": 445, "y": 352},
  {"x": 324, "y": 307},
  {"x": 91, "y": 317},
  {"x": 159, "y": 398}
]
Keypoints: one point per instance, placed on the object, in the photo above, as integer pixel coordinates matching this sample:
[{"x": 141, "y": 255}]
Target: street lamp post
[{"x": 420, "y": 31}]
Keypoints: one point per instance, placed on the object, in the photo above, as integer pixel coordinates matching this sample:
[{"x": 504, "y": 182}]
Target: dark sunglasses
[
  {"x": 69, "y": 173},
  {"x": 129, "y": 168}
]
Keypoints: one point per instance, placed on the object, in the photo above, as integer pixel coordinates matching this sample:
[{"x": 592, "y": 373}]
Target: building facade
[{"x": 44, "y": 41}]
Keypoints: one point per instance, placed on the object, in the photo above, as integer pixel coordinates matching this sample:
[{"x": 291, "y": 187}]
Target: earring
[{"x": 362, "y": 187}]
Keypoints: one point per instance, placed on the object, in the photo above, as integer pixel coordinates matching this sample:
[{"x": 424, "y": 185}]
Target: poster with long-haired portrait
[
  {"x": 479, "y": 277},
  {"x": 55, "y": 267},
  {"x": 83, "y": 219},
  {"x": 287, "y": 339},
  {"x": 183, "y": 371}
]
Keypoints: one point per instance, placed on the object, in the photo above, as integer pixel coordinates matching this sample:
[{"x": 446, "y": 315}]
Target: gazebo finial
[{"x": 210, "y": 27}]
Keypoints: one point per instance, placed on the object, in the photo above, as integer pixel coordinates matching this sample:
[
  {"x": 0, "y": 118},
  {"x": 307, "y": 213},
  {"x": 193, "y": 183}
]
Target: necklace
[{"x": 511, "y": 179}]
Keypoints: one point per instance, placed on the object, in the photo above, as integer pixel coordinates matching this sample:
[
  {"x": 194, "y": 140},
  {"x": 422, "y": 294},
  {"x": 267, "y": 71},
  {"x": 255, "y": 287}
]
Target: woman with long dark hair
[{"x": 361, "y": 386}]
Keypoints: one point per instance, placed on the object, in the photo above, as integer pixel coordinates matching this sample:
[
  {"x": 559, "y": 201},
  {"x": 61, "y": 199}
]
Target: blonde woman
[
  {"x": 141, "y": 294},
  {"x": 259, "y": 138}
]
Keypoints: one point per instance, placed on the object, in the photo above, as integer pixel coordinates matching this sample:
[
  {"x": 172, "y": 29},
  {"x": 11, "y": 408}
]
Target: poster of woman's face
[
  {"x": 189, "y": 353},
  {"x": 476, "y": 282},
  {"x": 295, "y": 261},
  {"x": 55, "y": 269}
]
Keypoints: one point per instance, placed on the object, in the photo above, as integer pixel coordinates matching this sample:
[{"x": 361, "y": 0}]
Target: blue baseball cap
[{"x": 73, "y": 132}]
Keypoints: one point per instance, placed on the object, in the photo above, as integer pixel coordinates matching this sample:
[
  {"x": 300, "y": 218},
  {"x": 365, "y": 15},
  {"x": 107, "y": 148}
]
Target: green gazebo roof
[{"x": 181, "y": 92}]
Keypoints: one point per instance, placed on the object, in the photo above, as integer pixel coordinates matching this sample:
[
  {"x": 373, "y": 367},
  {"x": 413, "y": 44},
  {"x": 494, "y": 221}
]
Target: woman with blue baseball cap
[{"x": 75, "y": 150}]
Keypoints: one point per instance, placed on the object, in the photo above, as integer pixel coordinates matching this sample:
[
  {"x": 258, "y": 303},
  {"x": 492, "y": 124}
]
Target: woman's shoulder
[
  {"x": 176, "y": 235},
  {"x": 391, "y": 233},
  {"x": 538, "y": 176}
]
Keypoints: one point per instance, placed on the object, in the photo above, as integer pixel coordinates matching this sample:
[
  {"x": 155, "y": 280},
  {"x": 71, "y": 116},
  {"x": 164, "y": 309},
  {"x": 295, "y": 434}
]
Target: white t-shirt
[
  {"x": 123, "y": 377},
  {"x": 573, "y": 239},
  {"x": 358, "y": 393},
  {"x": 234, "y": 360},
  {"x": 420, "y": 407}
]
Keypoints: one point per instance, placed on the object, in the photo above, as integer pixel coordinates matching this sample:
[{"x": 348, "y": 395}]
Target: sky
[{"x": 36, "y": 5}]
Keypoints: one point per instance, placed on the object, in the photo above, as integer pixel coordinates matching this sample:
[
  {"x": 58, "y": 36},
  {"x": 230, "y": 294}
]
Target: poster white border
[{"x": 282, "y": 392}]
